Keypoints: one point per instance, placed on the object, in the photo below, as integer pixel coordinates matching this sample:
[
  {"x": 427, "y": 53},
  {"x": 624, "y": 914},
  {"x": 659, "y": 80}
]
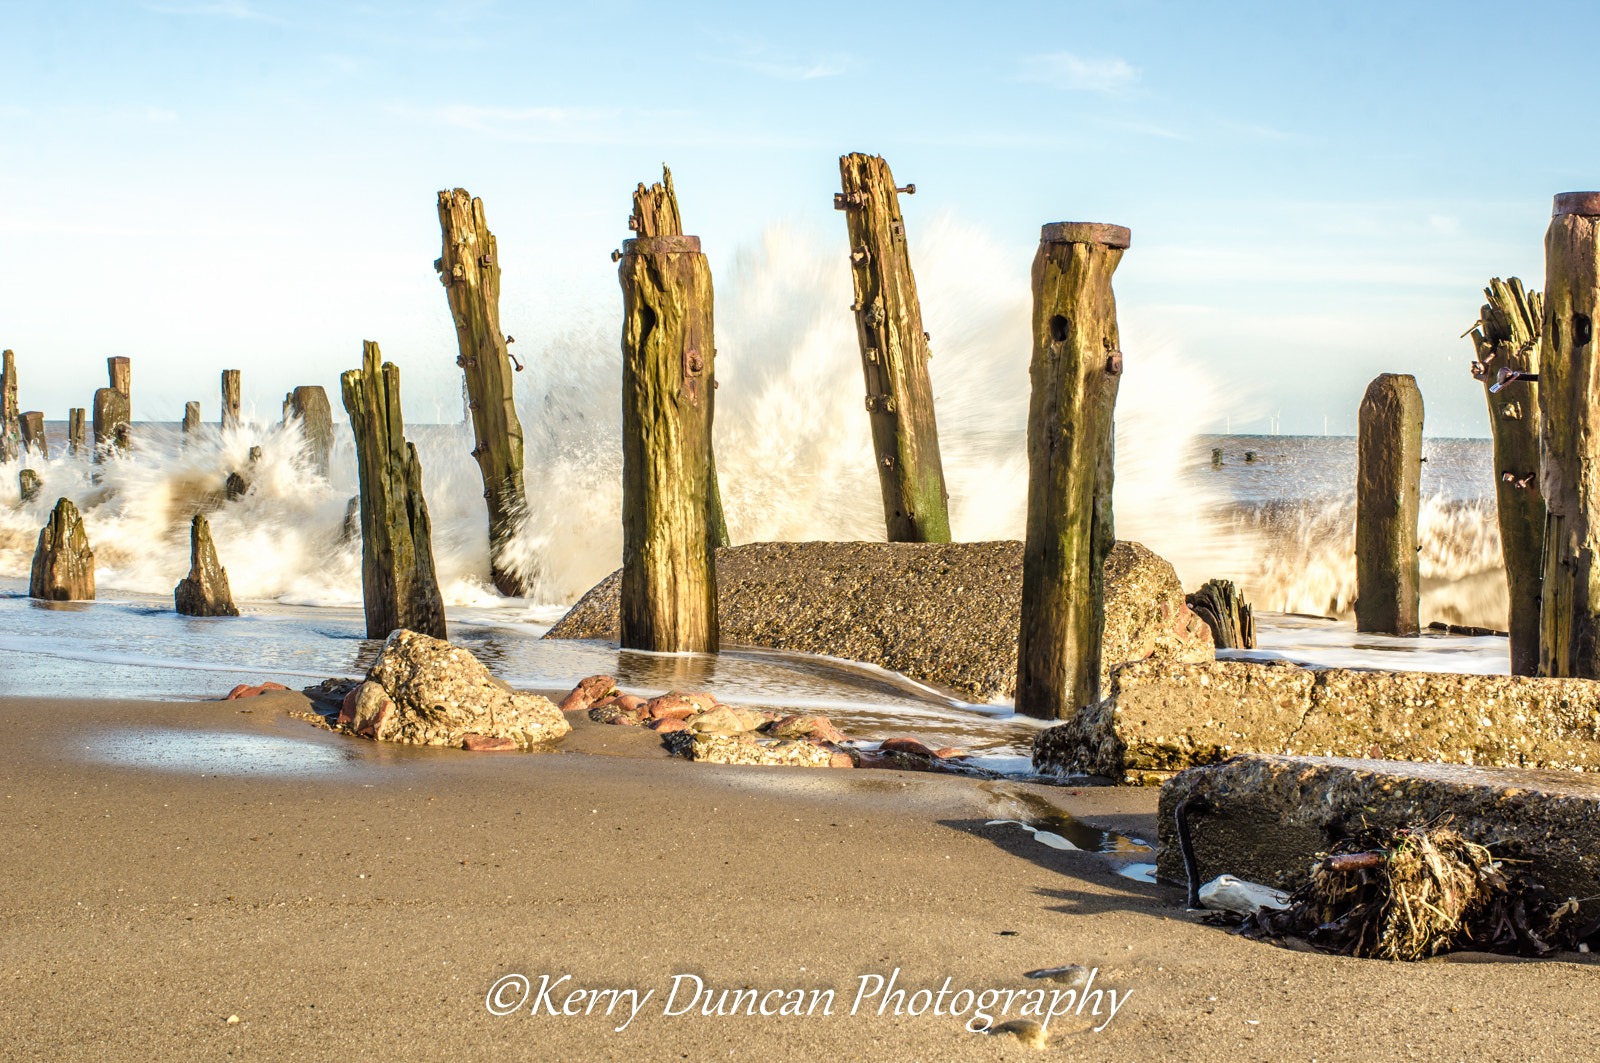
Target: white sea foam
[{"x": 793, "y": 449}]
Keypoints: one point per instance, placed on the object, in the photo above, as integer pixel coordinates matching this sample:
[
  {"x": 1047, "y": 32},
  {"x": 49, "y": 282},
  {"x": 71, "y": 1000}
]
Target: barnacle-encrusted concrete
[
  {"x": 942, "y": 613},
  {"x": 1163, "y": 716},
  {"x": 1268, "y": 816},
  {"x": 747, "y": 749},
  {"x": 423, "y": 691}
]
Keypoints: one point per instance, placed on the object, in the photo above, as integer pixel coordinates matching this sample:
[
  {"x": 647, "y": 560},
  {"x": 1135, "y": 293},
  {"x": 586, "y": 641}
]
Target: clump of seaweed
[{"x": 1415, "y": 892}]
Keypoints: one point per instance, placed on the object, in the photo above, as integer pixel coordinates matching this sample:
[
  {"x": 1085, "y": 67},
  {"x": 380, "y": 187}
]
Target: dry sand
[{"x": 351, "y": 901}]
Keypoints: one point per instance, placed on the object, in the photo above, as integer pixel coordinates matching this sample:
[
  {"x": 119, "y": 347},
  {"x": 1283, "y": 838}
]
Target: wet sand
[{"x": 169, "y": 865}]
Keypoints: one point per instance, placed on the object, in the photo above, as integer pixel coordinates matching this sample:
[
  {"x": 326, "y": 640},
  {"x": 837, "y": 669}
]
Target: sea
[{"x": 1275, "y": 514}]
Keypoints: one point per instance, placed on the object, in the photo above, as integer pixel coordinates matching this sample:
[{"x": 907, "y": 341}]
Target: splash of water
[
  {"x": 794, "y": 454},
  {"x": 794, "y": 448},
  {"x": 1304, "y": 560}
]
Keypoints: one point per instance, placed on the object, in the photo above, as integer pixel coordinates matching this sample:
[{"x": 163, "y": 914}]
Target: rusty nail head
[
  {"x": 633, "y": 223},
  {"x": 1114, "y": 363},
  {"x": 909, "y": 190},
  {"x": 616, "y": 256},
  {"x": 838, "y": 201}
]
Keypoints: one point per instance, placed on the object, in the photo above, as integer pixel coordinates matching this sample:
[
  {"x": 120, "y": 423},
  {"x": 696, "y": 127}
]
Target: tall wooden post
[
  {"x": 191, "y": 420},
  {"x": 310, "y": 404},
  {"x": 230, "y": 398},
  {"x": 75, "y": 433},
  {"x": 33, "y": 438},
  {"x": 469, "y": 269},
  {"x": 1388, "y": 483},
  {"x": 10, "y": 427},
  {"x": 1077, "y": 365},
  {"x": 398, "y": 584},
  {"x": 1569, "y": 465},
  {"x": 669, "y": 589},
  {"x": 1507, "y": 338},
  {"x": 894, "y": 354},
  {"x": 655, "y": 213},
  {"x": 113, "y": 407}
]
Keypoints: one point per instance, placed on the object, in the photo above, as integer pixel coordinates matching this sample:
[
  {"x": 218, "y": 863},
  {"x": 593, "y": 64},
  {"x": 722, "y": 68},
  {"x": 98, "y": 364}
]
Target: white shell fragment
[{"x": 1228, "y": 894}]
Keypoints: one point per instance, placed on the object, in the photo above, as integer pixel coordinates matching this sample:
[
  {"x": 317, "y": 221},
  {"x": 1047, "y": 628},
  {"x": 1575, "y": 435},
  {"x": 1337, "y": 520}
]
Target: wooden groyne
[
  {"x": 1077, "y": 364},
  {"x": 669, "y": 595},
  {"x": 894, "y": 353}
]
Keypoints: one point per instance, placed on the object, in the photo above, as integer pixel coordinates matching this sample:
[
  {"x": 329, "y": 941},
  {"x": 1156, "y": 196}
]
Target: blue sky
[{"x": 1317, "y": 192}]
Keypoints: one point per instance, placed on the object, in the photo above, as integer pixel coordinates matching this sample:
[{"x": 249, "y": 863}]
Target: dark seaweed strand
[{"x": 1191, "y": 867}]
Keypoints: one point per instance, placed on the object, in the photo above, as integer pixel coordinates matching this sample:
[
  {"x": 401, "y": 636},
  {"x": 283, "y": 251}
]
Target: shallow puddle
[
  {"x": 1053, "y": 827},
  {"x": 217, "y": 753},
  {"x": 1138, "y": 872}
]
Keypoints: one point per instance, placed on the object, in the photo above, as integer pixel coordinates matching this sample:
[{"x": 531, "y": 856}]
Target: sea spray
[
  {"x": 794, "y": 455},
  {"x": 794, "y": 449}
]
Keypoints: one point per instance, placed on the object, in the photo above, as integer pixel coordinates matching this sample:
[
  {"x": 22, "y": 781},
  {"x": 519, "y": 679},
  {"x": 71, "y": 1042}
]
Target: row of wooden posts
[
  {"x": 20, "y": 432},
  {"x": 672, "y": 513},
  {"x": 1536, "y": 358}
]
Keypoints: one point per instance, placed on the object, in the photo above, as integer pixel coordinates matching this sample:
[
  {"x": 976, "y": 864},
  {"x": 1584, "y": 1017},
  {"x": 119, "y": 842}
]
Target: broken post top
[
  {"x": 865, "y": 178},
  {"x": 1086, "y": 232},
  {"x": 470, "y": 255},
  {"x": 120, "y": 370},
  {"x": 1585, "y": 203},
  {"x": 1512, "y": 315},
  {"x": 655, "y": 209}
]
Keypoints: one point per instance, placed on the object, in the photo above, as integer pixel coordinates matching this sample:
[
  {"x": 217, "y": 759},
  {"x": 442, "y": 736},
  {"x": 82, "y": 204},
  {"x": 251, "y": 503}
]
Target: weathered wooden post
[
  {"x": 894, "y": 353},
  {"x": 1077, "y": 364},
  {"x": 398, "y": 584},
  {"x": 120, "y": 370},
  {"x": 655, "y": 213},
  {"x": 230, "y": 398},
  {"x": 33, "y": 438},
  {"x": 1507, "y": 338},
  {"x": 469, "y": 269},
  {"x": 75, "y": 432},
  {"x": 191, "y": 420},
  {"x": 669, "y": 579},
  {"x": 63, "y": 563},
  {"x": 10, "y": 429},
  {"x": 310, "y": 404},
  {"x": 29, "y": 485},
  {"x": 1569, "y": 457},
  {"x": 204, "y": 592},
  {"x": 1388, "y": 482},
  {"x": 113, "y": 407}
]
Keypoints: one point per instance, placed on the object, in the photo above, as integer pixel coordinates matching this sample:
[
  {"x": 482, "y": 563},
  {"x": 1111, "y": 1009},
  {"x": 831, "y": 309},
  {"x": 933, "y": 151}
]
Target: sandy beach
[{"x": 172, "y": 865}]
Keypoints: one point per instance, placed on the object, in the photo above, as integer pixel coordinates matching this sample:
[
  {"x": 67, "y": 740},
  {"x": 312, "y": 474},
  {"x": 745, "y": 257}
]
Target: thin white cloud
[
  {"x": 755, "y": 55},
  {"x": 820, "y": 68},
  {"x": 592, "y": 125},
  {"x": 235, "y": 9},
  {"x": 561, "y": 125},
  {"x": 1150, "y": 130},
  {"x": 1065, "y": 70}
]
